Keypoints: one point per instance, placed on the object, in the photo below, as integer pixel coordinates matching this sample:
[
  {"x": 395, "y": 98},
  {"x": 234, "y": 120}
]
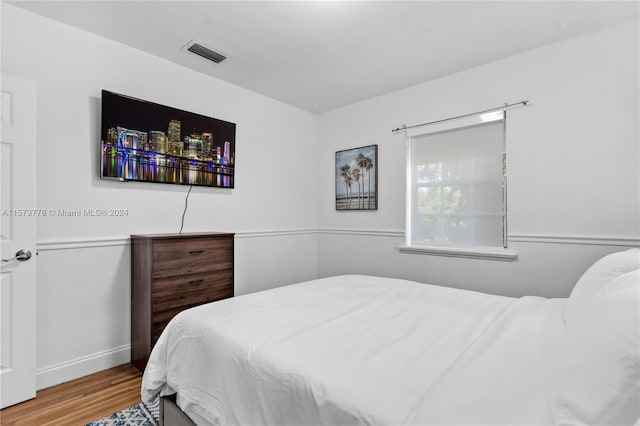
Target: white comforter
[{"x": 360, "y": 350}]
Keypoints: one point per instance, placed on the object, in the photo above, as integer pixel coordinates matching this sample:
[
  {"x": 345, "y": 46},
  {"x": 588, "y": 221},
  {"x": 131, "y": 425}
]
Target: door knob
[{"x": 22, "y": 255}]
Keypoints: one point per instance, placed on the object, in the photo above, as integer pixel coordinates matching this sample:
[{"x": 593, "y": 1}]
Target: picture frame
[{"x": 357, "y": 178}]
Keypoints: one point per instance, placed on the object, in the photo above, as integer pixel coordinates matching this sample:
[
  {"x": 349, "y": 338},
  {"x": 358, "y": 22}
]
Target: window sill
[{"x": 486, "y": 253}]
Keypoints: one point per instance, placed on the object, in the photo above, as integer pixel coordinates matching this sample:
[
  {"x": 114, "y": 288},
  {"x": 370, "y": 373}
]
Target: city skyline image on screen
[{"x": 148, "y": 142}]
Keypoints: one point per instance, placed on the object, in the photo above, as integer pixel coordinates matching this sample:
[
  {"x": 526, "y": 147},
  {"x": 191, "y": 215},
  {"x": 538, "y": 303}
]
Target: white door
[{"x": 17, "y": 240}]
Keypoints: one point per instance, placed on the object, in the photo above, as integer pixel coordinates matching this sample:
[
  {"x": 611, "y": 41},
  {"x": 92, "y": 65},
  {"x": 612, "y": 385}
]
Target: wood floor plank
[{"x": 79, "y": 401}]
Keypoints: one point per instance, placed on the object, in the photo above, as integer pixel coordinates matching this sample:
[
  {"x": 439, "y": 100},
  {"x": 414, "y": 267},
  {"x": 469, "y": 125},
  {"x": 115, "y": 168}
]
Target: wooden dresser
[{"x": 170, "y": 273}]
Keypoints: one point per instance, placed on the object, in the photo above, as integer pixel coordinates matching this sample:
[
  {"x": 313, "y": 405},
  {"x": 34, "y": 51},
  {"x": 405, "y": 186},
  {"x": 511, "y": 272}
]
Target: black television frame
[{"x": 144, "y": 141}]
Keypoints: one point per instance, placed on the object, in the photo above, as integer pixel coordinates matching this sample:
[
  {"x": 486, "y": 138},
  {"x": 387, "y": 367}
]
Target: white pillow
[
  {"x": 597, "y": 367},
  {"x": 601, "y": 272}
]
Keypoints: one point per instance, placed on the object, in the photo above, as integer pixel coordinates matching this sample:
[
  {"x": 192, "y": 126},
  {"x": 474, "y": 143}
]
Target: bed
[{"x": 364, "y": 350}]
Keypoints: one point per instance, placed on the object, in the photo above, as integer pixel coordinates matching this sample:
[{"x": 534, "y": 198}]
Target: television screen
[{"x": 147, "y": 142}]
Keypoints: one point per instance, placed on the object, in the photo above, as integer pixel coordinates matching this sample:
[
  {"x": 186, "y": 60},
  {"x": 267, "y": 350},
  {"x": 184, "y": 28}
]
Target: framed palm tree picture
[{"x": 357, "y": 178}]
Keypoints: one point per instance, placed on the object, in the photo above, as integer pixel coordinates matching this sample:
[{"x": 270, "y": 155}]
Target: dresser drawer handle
[
  {"x": 196, "y": 252},
  {"x": 194, "y": 282}
]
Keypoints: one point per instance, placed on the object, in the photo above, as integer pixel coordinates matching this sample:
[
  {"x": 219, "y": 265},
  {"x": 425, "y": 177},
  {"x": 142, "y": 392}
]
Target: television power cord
[{"x": 186, "y": 204}]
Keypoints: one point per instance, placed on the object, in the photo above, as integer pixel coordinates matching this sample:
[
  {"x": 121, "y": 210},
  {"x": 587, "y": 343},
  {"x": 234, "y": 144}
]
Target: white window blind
[{"x": 456, "y": 185}]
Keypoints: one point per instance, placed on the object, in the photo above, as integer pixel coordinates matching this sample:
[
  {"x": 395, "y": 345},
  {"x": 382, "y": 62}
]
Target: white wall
[
  {"x": 573, "y": 166},
  {"x": 573, "y": 177},
  {"x": 83, "y": 263}
]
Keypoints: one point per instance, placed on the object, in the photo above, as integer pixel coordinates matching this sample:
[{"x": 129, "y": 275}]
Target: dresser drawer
[
  {"x": 162, "y": 317},
  {"x": 176, "y": 257},
  {"x": 186, "y": 290}
]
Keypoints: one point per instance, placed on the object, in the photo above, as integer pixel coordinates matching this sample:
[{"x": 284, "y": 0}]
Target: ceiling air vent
[{"x": 209, "y": 54}]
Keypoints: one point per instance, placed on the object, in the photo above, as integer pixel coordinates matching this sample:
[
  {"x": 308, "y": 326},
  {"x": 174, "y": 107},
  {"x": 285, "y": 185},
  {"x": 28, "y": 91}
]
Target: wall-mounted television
[{"x": 147, "y": 142}]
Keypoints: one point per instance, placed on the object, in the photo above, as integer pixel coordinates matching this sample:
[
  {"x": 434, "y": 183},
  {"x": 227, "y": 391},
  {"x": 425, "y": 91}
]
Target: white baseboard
[{"x": 80, "y": 367}]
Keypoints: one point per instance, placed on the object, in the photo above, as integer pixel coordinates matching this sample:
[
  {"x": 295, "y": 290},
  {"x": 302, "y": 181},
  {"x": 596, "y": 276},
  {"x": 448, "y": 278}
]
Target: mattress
[{"x": 360, "y": 350}]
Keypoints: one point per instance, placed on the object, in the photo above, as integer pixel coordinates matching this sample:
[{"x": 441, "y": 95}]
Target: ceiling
[{"x": 321, "y": 55}]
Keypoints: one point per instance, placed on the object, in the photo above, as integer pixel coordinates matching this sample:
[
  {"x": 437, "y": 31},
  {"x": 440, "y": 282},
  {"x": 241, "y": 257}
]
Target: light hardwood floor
[{"x": 79, "y": 401}]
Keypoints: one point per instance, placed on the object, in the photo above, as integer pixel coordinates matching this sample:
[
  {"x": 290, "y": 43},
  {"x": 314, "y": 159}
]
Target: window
[{"x": 456, "y": 184}]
